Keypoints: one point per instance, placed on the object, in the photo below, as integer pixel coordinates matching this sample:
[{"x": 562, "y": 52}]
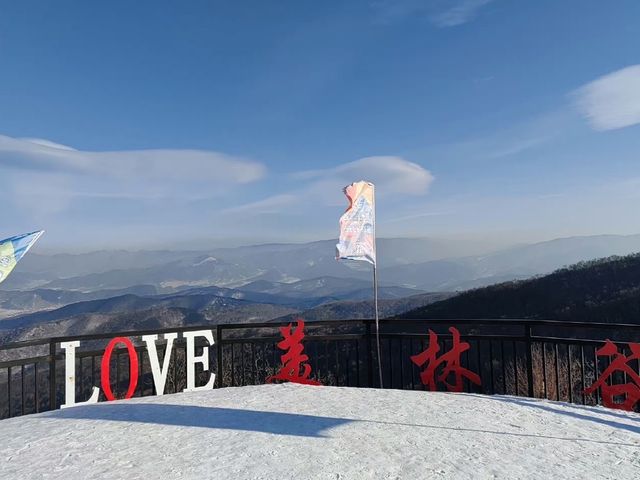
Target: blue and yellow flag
[{"x": 13, "y": 249}]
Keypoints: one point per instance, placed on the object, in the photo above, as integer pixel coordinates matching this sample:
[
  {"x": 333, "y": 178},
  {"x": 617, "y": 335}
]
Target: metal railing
[{"x": 533, "y": 358}]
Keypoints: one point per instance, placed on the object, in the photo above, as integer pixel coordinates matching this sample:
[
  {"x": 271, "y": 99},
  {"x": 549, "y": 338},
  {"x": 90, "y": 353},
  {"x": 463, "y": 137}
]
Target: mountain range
[
  {"x": 68, "y": 294},
  {"x": 423, "y": 264},
  {"x": 207, "y": 305}
]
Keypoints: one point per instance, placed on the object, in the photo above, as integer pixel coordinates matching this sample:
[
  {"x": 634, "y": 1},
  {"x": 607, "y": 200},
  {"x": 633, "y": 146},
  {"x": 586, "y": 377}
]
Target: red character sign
[
  {"x": 451, "y": 361},
  {"x": 294, "y": 358},
  {"x": 618, "y": 363}
]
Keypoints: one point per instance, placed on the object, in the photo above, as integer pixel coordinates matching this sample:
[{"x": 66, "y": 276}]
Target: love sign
[{"x": 159, "y": 372}]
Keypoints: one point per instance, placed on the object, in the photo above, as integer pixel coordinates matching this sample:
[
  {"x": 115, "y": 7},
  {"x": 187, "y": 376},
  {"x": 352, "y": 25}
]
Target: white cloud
[
  {"x": 49, "y": 175},
  {"x": 393, "y": 176},
  {"x": 273, "y": 204},
  {"x": 104, "y": 195},
  {"x": 612, "y": 101},
  {"x": 47, "y": 143},
  {"x": 167, "y": 165},
  {"x": 43, "y": 178}
]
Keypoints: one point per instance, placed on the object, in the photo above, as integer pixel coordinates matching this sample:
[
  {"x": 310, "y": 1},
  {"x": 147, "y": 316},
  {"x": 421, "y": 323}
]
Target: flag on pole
[
  {"x": 358, "y": 239},
  {"x": 358, "y": 224},
  {"x": 13, "y": 249}
]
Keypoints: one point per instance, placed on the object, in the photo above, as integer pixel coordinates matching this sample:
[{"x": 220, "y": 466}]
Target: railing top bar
[
  {"x": 309, "y": 323},
  {"x": 561, "y": 340},
  {"x": 308, "y": 338},
  {"x": 238, "y": 326},
  {"x": 25, "y": 361},
  {"x": 451, "y": 321},
  {"x": 25, "y": 343},
  {"x": 514, "y": 321},
  {"x": 100, "y": 336}
]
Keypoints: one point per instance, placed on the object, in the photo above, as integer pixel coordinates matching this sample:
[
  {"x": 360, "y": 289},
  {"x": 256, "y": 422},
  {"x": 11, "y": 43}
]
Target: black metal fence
[{"x": 532, "y": 358}]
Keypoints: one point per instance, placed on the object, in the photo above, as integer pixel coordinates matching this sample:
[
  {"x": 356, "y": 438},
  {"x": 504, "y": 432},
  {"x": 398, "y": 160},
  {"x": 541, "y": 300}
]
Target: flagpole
[
  {"x": 375, "y": 290},
  {"x": 358, "y": 242},
  {"x": 375, "y": 303}
]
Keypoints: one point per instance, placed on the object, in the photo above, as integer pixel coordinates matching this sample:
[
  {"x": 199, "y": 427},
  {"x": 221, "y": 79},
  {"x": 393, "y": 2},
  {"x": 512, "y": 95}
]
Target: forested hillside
[{"x": 605, "y": 290}]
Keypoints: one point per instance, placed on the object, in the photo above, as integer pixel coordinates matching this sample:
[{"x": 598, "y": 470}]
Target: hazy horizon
[{"x": 467, "y": 245}]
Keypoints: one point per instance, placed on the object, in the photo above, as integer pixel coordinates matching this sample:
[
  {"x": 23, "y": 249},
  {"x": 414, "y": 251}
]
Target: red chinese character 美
[
  {"x": 618, "y": 363},
  {"x": 294, "y": 358},
  {"x": 451, "y": 361}
]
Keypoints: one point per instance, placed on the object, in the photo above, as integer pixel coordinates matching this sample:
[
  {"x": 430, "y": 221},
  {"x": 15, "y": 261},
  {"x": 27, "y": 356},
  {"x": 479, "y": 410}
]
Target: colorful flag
[
  {"x": 13, "y": 249},
  {"x": 358, "y": 224}
]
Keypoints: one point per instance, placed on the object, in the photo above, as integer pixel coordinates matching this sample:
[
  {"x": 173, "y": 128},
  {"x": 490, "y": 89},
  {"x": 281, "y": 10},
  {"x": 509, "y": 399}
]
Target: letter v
[{"x": 159, "y": 374}]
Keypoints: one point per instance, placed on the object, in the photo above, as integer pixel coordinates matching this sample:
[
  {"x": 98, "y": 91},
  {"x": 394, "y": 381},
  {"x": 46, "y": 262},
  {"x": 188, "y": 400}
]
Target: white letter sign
[
  {"x": 192, "y": 359},
  {"x": 159, "y": 374},
  {"x": 70, "y": 377}
]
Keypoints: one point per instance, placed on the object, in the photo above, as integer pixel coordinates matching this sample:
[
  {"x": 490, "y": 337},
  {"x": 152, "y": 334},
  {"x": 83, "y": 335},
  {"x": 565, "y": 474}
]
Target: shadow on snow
[
  {"x": 205, "y": 417},
  {"x": 570, "y": 411},
  {"x": 306, "y": 425}
]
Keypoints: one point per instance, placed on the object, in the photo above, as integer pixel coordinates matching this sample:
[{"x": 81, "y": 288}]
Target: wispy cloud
[
  {"x": 160, "y": 165},
  {"x": 612, "y": 101},
  {"x": 46, "y": 176},
  {"x": 393, "y": 177},
  {"x": 515, "y": 140},
  {"x": 460, "y": 13},
  {"x": 269, "y": 205},
  {"x": 181, "y": 192},
  {"x": 442, "y": 13}
]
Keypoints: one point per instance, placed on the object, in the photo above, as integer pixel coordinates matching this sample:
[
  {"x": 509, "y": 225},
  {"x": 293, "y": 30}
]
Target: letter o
[{"x": 105, "y": 368}]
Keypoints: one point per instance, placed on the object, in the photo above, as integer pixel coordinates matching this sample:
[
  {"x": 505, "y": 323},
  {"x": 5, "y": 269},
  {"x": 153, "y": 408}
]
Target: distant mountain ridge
[
  {"x": 44, "y": 298},
  {"x": 210, "y": 301},
  {"x": 350, "y": 309},
  {"x": 265, "y": 282},
  {"x": 301, "y": 294},
  {"x": 129, "y": 312},
  {"x": 423, "y": 264},
  {"x": 518, "y": 262}
]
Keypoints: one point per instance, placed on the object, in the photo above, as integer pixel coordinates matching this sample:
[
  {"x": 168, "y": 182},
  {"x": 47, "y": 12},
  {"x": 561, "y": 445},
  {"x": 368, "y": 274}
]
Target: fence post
[
  {"x": 52, "y": 375},
  {"x": 369, "y": 355},
  {"x": 219, "y": 354},
  {"x": 529, "y": 360}
]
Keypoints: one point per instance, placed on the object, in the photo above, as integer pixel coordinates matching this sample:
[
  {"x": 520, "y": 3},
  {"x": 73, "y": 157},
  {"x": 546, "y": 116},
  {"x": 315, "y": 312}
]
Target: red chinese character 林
[
  {"x": 619, "y": 362},
  {"x": 451, "y": 361},
  {"x": 294, "y": 359}
]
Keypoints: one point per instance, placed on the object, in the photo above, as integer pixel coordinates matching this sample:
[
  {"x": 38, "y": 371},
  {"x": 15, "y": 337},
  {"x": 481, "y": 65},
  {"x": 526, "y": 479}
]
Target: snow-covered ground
[{"x": 303, "y": 432}]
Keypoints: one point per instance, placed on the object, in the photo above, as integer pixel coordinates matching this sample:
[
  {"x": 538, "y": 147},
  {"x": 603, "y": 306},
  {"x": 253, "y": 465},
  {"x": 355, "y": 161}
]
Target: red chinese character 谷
[
  {"x": 618, "y": 362},
  {"x": 451, "y": 361},
  {"x": 294, "y": 359}
]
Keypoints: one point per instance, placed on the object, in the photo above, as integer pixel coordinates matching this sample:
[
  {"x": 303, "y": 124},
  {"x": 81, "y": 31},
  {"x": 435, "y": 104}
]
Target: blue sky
[{"x": 151, "y": 122}]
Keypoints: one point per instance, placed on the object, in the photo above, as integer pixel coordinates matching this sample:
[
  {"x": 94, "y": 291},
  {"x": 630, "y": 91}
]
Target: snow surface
[{"x": 305, "y": 432}]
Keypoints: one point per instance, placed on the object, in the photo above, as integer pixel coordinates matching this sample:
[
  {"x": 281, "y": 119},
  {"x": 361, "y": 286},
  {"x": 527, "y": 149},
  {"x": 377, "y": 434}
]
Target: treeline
[{"x": 605, "y": 290}]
